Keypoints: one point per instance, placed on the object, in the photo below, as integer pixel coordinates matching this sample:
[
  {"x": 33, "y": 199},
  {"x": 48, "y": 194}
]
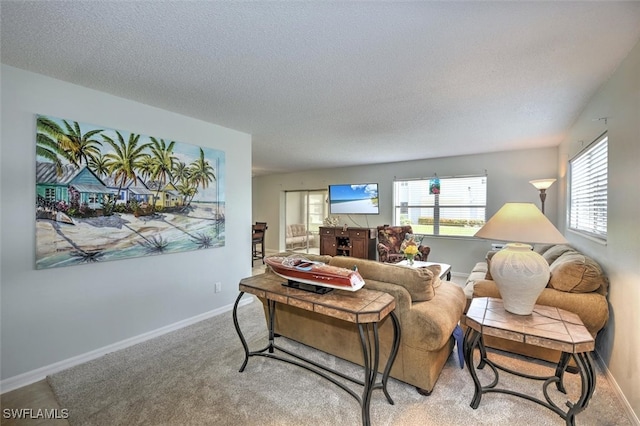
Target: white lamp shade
[
  {"x": 523, "y": 223},
  {"x": 542, "y": 183}
]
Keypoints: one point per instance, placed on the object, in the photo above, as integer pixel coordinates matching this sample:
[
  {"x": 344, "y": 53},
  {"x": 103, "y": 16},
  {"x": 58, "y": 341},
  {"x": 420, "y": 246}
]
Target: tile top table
[
  {"x": 364, "y": 308},
  {"x": 547, "y": 327}
]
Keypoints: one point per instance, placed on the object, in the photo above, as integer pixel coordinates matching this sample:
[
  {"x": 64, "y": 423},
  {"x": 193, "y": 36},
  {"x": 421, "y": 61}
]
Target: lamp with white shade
[{"x": 519, "y": 272}]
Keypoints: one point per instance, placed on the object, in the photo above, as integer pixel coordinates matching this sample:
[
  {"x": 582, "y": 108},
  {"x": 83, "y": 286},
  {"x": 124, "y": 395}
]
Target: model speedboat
[{"x": 298, "y": 269}]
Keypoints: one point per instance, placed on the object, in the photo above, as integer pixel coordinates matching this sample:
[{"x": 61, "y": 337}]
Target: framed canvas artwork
[{"x": 104, "y": 194}]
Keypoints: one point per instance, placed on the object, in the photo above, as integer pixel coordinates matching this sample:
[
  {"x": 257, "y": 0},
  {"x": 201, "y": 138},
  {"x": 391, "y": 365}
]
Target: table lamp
[{"x": 519, "y": 272}]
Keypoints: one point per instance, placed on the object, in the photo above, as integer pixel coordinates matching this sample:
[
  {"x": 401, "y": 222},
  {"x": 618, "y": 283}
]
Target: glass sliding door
[{"x": 304, "y": 213}]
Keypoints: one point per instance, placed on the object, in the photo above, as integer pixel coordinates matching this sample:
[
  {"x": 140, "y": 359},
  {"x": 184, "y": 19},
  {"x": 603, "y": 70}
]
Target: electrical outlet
[{"x": 218, "y": 288}]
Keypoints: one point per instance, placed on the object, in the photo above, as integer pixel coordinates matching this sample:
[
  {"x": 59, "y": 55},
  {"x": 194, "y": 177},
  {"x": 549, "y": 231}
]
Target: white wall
[
  {"x": 295, "y": 205},
  {"x": 55, "y": 314},
  {"x": 619, "y": 101},
  {"x": 508, "y": 176}
]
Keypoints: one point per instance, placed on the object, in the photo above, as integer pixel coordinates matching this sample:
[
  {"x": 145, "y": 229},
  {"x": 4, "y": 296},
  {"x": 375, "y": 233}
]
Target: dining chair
[{"x": 258, "y": 231}]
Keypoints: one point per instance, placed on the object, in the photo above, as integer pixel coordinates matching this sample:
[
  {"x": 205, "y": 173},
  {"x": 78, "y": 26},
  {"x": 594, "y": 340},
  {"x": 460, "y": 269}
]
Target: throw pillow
[
  {"x": 541, "y": 248},
  {"x": 555, "y": 252},
  {"x": 417, "y": 281},
  {"x": 435, "y": 272},
  {"x": 576, "y": 273}
]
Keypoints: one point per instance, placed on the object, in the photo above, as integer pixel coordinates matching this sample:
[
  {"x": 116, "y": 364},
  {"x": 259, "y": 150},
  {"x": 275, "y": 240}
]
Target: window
[
  {"x": 588, "y": 190},
  {"x": 305, "y": 211},
  {"x": 459, "y": 209},
  {"x": 50, "y": 194}
]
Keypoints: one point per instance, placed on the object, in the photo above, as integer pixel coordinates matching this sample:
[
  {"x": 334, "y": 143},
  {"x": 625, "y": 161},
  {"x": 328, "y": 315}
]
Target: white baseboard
[
  {"x": 625, "y": 403},
  {"x": 41, "y": 373}
]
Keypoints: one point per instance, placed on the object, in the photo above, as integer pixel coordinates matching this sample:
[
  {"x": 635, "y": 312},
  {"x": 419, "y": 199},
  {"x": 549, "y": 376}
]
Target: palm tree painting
[{"x": 104, "y": 194}]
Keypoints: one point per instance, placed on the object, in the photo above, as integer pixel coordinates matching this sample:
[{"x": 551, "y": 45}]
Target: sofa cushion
[
  {"x": 478, "y": 273},
  {"x": 576, "y": 273},
  {"x": 541, "y": 248},
  {"x": 480, "y": 267},
  {"x": 419, "y": 282},
  {"x": 555, "y": 252}
]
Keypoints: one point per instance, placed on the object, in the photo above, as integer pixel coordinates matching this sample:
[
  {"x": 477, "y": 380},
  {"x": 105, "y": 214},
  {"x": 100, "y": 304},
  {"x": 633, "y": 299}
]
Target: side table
[
  {"x": 548, "y": 327},
  {"x": 364, "y": 308}
]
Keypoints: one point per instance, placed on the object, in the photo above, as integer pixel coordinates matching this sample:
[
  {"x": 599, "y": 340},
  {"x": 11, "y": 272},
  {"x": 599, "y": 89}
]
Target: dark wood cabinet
[
  {"x": 327, "y": 241},
  {"x": 359, "y": 248},
  {"x": 354, "y": 242}
]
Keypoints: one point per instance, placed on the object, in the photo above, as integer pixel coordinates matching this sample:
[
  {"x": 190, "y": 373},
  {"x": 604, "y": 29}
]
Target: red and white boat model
[{"x": 298, "y": 269}]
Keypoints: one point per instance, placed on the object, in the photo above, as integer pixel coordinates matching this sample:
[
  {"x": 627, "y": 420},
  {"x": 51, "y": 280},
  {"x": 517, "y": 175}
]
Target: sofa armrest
[
  {"x": 592, "y": 308},
  {"x": 485, "y": 288},
  {"x": 429, "y": 325},
  {"x": 401, "y": 294}
]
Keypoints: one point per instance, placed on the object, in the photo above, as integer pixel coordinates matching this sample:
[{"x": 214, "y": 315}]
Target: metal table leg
[
  {"x": 588, "y": 377},
  {"x": 560, "y": 369},
  {"x": 473, "y": 340},
  {"x": 392, "y": 357},
  {"x": 370, "y": 352},
  {"x": 237, "y": 326},
  {"x": 371, "y": 359}
]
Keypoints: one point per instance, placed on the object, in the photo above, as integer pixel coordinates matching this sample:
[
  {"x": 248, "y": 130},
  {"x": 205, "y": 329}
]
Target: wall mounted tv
[{"x": 354, "y": 199}]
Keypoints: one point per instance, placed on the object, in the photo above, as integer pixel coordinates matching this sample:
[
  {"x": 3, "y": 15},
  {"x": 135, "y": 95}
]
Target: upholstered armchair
[{"x": 390, "y": 239}]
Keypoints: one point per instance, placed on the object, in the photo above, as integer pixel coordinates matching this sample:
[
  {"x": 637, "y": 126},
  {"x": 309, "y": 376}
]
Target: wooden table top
[
  {"x": 362, "y": 306},
  {"x": 547, "y": 326}
]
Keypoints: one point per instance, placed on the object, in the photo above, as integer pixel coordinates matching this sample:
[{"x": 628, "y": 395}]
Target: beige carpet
[{"x": 190, "y": 377}]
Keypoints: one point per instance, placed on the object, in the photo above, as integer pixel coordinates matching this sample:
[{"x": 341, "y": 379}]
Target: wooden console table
[
  {"x": 365, "y": 308},
  {"x": 354, "y": 242},
  {"x": 547, "y": 327}
]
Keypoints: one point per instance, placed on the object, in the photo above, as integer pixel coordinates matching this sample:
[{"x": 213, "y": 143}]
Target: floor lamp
[{"x": 542, "y": 185}]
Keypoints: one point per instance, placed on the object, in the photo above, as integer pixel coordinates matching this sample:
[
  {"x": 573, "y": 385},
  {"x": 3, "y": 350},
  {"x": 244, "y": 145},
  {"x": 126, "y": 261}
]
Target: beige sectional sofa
[
  {"x": 577, "y": 284},
  {"x": 428, "y": 310}
]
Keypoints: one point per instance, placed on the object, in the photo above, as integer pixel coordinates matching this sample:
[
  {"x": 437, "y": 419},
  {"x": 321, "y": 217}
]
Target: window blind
[{"x": 588, "y": 187}]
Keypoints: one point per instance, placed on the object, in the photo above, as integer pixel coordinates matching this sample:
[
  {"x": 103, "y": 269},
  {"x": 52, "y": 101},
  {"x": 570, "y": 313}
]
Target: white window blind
[
  {"x": 588, "y": 190},
  {"x": 459, "y": 209}
]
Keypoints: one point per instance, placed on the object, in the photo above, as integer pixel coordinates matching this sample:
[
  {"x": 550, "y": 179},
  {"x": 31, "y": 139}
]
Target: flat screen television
[{"x": 354, "y": 199}]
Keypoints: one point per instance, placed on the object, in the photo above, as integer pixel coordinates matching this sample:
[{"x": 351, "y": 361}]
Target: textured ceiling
[{"x": 325, "y": 84}]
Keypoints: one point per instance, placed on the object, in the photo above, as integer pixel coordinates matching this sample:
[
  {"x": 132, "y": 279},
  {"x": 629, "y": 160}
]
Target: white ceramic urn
[{"x": 520, "y": 275}]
